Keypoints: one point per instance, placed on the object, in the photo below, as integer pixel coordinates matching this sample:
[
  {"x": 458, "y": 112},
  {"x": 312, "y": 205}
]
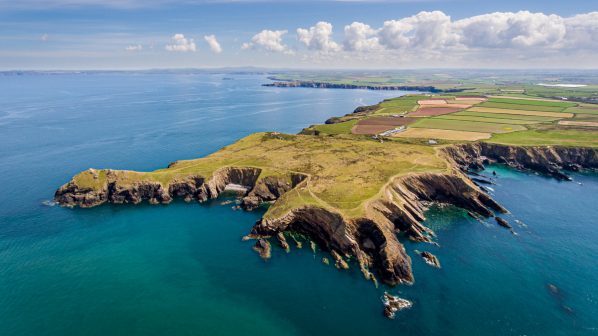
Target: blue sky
[{"x": 136, "y": 34}]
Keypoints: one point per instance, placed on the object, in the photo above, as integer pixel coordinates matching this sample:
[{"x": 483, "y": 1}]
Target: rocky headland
[{"x": 306, "y": 197}]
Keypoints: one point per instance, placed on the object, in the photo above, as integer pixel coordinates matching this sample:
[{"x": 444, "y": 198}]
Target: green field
[
  {"x": 583, "y": 110},
  {"x": 531, "y": 102},
  {"x": 340, "y": 128},
  {"x": 505, "y": 116},
  {"x": 548, "y": 137},
  {"x": 472, "y": 126},
  {"x": 398, "y": 105},
  {"x": 522, "y": 107},
  {"x": 487, "y": 119}
]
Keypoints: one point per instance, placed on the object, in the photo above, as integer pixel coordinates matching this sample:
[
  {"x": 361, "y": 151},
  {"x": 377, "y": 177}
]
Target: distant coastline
[{"x": 326, "y": 85}]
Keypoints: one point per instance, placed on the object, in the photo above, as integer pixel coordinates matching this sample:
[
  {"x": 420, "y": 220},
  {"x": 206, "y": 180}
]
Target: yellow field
[
  {"x": 579, "y": 123},
  {"x": 521, "y": 112},
  {"x": 431, "y": 102},
  {"x": 432, "y": 133}
]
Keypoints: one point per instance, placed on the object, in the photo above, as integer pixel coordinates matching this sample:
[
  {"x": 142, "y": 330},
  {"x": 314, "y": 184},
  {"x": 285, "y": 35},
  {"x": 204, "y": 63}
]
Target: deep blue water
[{"x": 182, "y": 269}]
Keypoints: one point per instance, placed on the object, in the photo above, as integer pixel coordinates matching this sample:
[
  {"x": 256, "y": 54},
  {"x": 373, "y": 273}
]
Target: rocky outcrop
[
  {"x": 430, "y": 259},
  {"x": 548, "y": 160},
  {"x": 263, "y": 248},
  {"x": 393, "y": 304}
]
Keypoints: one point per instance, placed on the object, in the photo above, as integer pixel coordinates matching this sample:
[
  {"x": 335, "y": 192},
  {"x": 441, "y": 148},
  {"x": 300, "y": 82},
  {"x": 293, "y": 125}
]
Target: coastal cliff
[
  {"x": 547, "y": 160},
  {"x": 372, "y": 238},
  {"x": 117, "y": 189}
]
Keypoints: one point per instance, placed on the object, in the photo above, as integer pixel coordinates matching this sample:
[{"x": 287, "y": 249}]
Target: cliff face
[
  {"x": 372, "y": 239},
  {"x": 118, "y": 191},
  {"x": 545, "y": 160}
]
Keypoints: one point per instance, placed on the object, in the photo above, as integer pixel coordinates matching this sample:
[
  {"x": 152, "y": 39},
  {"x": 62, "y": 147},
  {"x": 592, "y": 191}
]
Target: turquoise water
[{"x": 182, "y": 268}]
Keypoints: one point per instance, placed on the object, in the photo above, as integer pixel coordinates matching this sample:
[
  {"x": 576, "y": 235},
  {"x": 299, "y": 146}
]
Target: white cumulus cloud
[
  {"x": 213, "y": 43},
  {"x": 433, "y": 38},
  {"x": 582, "y": 31},
  {"x": 318, "y": 37},
  {"x": 360, "y": 37},
  {"x": 181, "y": 44},
  {"x": 269, "y": 40},
  {"x": 426, "y": 30},
  {"x": 521, "y": 29}
]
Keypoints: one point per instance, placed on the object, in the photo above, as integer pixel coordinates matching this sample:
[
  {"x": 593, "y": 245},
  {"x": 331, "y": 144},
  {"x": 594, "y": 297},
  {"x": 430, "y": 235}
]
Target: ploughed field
[{"x": 465, "y": 118}]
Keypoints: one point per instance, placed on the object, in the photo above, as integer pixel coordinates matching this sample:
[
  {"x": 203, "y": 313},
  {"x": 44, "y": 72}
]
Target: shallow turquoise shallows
[{"x": 182, "y": 269}]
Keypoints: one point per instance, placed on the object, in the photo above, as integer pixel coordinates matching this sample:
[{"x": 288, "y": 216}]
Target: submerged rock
[
  {"x": 393, "y": 304},
  {"x": 556, "y": 293},
  {"x": 554, "y": 290},
  {"x": 481, "y": 180}
]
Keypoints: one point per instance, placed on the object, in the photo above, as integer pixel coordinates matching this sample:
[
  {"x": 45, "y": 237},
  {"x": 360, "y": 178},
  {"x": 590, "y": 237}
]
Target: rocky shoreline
[{"x": 547, "y": 160}]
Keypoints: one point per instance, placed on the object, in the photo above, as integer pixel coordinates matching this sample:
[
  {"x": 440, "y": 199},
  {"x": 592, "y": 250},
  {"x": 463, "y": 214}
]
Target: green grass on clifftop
[
  {"x": 554, "y": 137},
  {"x": 343, "y": 172}
]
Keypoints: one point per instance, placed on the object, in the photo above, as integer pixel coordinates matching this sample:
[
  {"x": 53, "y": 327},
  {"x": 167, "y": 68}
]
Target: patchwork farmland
[{"x": 458, "y": 118}]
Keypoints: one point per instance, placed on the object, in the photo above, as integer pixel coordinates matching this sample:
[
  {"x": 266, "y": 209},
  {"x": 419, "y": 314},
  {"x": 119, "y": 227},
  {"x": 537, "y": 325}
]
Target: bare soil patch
[{"x": 371, "y": 129}]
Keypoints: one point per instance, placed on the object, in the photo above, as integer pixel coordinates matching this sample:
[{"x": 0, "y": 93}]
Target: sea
[{"x": 182, "y": 269}]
